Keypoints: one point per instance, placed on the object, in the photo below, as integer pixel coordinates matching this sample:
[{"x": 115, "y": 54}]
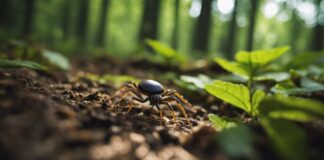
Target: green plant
[
  {"x": 5, "y": 63},
  {"x": 273, "y": 112},
  {"x": 250, "y": 64},
  {"x": 237, "y": 95},
  {"x": 168, "y": 53},
  {"x": 56, "y": 59},
  {"x": 20, "y": 50}
]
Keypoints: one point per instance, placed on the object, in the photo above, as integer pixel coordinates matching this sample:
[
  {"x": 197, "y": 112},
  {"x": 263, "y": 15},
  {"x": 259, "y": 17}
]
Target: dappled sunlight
[{"x": 161, "y": 79}]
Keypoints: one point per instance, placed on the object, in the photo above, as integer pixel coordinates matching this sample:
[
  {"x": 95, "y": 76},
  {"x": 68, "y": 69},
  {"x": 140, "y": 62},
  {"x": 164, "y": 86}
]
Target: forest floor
[{"x": 60, "y": 116}]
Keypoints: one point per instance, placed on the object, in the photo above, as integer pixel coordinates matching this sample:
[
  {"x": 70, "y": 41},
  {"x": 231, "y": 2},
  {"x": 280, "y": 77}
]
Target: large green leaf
[
  {"x": 4, "y": 63},
  {"x": 235, "y": 94},
  {"x": 222, "y": 123},
  {"x": 260, "y": 57},
  {"x": 56, "y": 59},
  {"x": 288, "y": 140},
  {"x": 233, "y": 67},
  {"x": 292, "y": 108}
]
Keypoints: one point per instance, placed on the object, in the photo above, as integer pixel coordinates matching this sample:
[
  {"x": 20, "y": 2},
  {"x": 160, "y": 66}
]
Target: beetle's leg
[
  {"x": 161, "y": 114},
  {"x": 167, "y": 92},
  {"x": 172, "y": 111},
  {"x": 177, "y": 95},
  {"x": 178, "y": 104},
  {"x": 130, "y": 106},
  {"x": 128, "y": 87}
]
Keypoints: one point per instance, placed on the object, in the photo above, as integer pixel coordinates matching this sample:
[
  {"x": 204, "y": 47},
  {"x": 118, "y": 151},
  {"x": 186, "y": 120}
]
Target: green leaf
[
  {"x": 235, "y": 94},
  {"x": 307, "y": 86},
  {"x": 56, "y": 59},
  {"x": 4, "y": 63},
  {"x": 237, "y": 141},
  {"x": 161, "y": 48},
  {"x": 222, "y": 123},
  {"x": 260, "y": 57},
  {"x": 233, "y": 67},
  {"x": 165, "y": 51},
  {"x": 256, "y": 99},
  {"x": 288, "y": 140},
  {"x": 199, "y": 81},
  {"x": 276, "y": 76},
  {"x": 292, "y": 108},
  {"x": 292, "y": 115},
  {"x": 311, "y": 85}
]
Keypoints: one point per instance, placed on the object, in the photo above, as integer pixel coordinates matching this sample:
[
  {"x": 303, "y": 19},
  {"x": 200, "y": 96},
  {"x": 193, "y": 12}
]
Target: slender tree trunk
[
  {"x": 65, "y": 23},
  {"x": 294, "y": 31},
  {"x": 253, "y": 13},
  {"x": 4, "y": 12},
  {"x": 318, "y": 43},
  {"x": 175, "y": 34},
  {"x": 232, "y": 33},
  {"x": 201, "y": 33},
  {"x": 29, "y": 18},
  {"x": 101, "y": 34},
  {"x": 318, "y": 33},
  {"x": 82, "y": 21},
  {"x": 149, "y": 26}
]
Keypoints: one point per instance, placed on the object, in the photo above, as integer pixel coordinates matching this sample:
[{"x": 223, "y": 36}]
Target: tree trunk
[
  {"x": 230, "y": 48},
  {"x": 200, "y": 39},
  {"x": 317, "y": 42},
  {"x": 4, "y": 13},
  {"x": 149, "y": 26},
  {"x": 65, "y": 23},
  {"x": 175, "y": 34},
  {"x": 82, "y": 21},
  {"x": 253, "y": 13},
  {"x": 101, "y": 34},
  {"x": 29, "y": 18},
  {"x": 295, "y": 27}
]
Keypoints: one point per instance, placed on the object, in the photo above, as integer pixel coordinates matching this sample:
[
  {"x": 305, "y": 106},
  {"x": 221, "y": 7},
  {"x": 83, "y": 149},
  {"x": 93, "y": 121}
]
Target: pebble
[{"x": 137, "y": 138}]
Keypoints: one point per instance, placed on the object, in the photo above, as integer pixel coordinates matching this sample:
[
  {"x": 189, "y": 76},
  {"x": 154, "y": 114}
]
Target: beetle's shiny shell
[{"x": 150, "y": 87}]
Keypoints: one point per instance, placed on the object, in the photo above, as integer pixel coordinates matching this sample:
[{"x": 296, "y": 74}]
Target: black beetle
[{"x": 156, "y": 95}]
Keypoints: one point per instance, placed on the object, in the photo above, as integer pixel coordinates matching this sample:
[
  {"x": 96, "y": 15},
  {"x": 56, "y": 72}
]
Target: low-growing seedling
[
  {"x": 273, "y": 112},
  {"x": 5, "y": 63},
  {"x": 24, "y": 54},
  {"x": 169, "y": 55}
]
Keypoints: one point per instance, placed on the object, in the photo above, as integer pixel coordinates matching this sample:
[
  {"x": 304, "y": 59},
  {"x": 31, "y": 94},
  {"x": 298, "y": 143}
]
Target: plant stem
[{"x": 249, "y": 85}]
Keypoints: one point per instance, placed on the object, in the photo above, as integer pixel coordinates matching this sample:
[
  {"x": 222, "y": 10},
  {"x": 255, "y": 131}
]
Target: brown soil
[{"x": 59, "y": 116}]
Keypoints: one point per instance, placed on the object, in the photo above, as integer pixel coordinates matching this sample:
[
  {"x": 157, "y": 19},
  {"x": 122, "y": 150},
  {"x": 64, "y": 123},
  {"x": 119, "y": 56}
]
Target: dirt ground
[{"x": 59, "y": 116}]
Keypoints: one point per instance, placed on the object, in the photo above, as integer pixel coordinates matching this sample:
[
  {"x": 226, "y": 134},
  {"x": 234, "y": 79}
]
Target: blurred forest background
[{"x": 197, "y": 27}]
